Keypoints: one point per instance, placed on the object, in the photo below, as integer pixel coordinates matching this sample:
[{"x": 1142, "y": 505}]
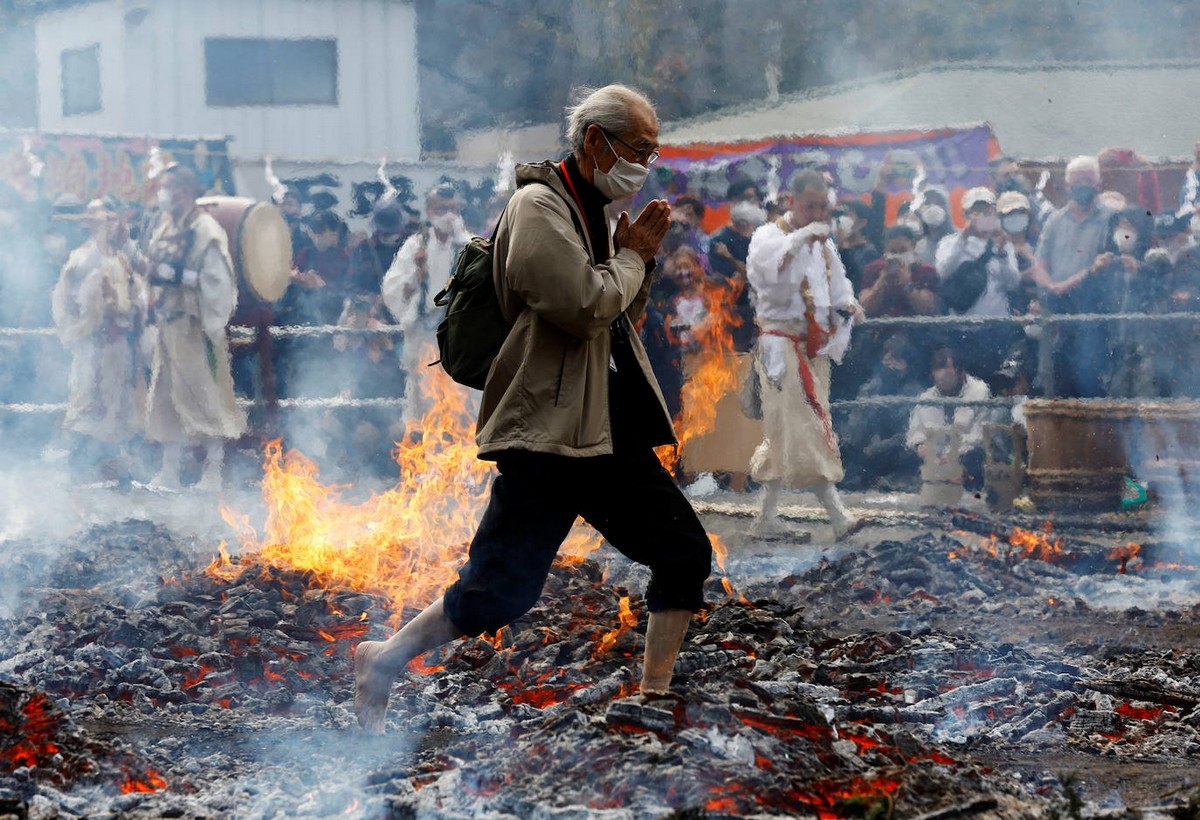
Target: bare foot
[{"x": 371, "y": 688}]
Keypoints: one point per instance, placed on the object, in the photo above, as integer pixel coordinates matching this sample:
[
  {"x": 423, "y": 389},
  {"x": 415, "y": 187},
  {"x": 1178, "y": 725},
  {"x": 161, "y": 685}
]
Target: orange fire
[
  {"x": 1042, "y": 546},
  {"x": 1126, "y": 557},
  {"x": 407, "y": 542},
  {"x": 149, "y": 781},
  {"x": 627, "y": 620},
  {"x": 714, "y": 371}
]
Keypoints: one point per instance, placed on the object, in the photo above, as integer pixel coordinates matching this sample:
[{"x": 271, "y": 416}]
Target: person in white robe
[
  {"x": 421, "y": 269},
  {"x": 193, "y": 296},
  {"x": 805, "y": 308},
  {"x": 98, "y": 306}
]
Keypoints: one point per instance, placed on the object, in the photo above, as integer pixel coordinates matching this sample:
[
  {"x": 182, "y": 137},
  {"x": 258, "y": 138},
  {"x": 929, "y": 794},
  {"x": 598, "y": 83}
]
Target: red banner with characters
[
  {"x": 954, "y": 158},
  {"x": 45, "y": 166}
]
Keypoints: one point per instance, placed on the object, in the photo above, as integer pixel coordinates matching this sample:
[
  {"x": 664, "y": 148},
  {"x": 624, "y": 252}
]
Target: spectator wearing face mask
[
  {"x": 1138, "y": 351},
  {"x": 873, "y": 438},
  {"x": 951, "y": 380},
  {"x": 371, "y": 258},
  {"x": 1016, "y": 220},
  {"x": 899, "y": 284},
  {"x": 982, "y": 234},
  {"x": 1071, "y": 241},
  {"x": 981, "y": 350},
  {"x": 850, "y": 226},
  {"x": 933, "y": 215}
]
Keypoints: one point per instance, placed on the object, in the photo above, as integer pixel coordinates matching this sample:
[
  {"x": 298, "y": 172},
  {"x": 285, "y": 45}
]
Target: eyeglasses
[{"x": 639, "y": 154}]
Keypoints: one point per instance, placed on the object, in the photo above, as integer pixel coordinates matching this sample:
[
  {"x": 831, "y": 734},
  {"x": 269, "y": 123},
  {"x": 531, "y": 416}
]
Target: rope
[{"x": 290, "y": 331}]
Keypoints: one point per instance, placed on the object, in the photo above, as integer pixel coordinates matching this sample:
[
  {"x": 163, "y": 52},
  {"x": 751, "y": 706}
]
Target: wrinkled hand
[{"x": 645, "y": 234}]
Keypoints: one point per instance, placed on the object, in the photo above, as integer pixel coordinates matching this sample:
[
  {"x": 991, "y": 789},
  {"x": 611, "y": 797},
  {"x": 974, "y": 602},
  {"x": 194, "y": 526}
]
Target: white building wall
[
  {"x": 153, "y": 74},
  {"x": 56, "y": 32}
]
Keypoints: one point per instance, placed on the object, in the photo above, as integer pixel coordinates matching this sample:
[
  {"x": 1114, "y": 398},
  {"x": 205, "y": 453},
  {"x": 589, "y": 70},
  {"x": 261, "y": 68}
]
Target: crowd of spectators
[{"x": 1010, "y": 254}]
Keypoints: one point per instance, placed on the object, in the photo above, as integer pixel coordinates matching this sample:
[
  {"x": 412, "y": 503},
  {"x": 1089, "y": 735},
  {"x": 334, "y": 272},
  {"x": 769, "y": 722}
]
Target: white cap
[{"x": 976, "y": 195}]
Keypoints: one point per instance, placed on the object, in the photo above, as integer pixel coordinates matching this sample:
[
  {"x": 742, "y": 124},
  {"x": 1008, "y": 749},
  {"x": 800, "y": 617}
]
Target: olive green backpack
[{"x": 473, "y": 330}]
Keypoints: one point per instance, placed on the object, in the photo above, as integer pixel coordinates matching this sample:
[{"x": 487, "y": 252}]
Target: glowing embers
[
  {"x": 29, "y": 727},
  {"x": 147, "y": 781},
  {"x": 1023, "y": 544},
  {"x": 40, "y": 740}
]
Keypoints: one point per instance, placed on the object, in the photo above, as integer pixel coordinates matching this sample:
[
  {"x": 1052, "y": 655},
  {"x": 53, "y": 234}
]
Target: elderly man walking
[{"x": 571, "y": 411}]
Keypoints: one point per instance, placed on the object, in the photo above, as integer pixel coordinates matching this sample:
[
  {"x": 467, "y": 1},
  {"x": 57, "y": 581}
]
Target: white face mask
[
  {"x": 906, "y": 258},
  {"x": 624, "y": 179},
  {"x": 933, "y": 215},
  {"x": 1125, "y": 241},
  {"x": 164, "y": 198},
  {"x": 1015, "y": 223},
  {"x": 845, "y": 225},
  {"x": 446, "y": 223}
]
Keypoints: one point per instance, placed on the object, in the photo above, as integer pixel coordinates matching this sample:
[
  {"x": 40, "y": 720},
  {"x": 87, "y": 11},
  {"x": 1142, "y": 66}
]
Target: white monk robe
[
  {"x": 408, "y": 289},
  {"x": 96, "y": 307},
  {"x": 191, "y": 385},
  {"x": 799, "y": 447}
]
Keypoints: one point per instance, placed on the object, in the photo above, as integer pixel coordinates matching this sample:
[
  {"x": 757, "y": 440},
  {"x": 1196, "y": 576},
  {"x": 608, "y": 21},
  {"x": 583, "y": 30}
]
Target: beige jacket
[{"x": 548, "y": 388}]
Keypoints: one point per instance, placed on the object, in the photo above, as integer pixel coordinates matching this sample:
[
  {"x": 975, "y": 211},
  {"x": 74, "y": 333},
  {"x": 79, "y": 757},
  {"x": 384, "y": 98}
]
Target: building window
[
  {"x": 81, "y": 81},
  {"x": 246, "y": 71}
]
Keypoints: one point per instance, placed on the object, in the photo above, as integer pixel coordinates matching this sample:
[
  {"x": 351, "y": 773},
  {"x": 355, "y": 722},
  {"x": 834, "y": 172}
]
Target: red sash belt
[{"x": 810, "y": 387}]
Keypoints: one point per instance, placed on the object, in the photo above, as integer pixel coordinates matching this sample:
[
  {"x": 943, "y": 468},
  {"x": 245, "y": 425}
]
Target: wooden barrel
[
  {"x": 1166, "y": 450},
  {"x": 1081, "y": 450}
]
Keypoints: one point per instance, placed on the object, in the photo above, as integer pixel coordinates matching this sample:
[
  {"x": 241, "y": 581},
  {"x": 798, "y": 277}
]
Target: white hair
[
  {"x": 609, "y": 107},
  {"x": 1083, "y": 165}
]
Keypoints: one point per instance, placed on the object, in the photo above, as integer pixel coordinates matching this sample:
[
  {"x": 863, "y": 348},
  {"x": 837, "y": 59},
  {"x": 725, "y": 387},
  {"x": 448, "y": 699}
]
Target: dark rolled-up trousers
[{"x": 628, "y": 497}]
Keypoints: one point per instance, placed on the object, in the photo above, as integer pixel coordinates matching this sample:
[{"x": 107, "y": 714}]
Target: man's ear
[{"x": 593, "y": 139}]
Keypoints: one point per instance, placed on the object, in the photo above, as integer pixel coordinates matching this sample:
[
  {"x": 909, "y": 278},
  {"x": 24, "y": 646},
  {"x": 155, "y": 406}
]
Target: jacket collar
[{"x": 545, "y": 172}]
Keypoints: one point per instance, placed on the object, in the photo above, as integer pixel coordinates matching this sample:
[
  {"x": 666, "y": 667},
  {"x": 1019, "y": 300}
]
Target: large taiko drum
[{"x": 260, "y": 243}]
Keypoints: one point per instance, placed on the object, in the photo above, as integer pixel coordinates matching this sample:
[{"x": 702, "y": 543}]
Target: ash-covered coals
[
  {"x": 266, "y": 636},
  {"x": 237, "y": 687},
  {"x": 41, "y": 744}
]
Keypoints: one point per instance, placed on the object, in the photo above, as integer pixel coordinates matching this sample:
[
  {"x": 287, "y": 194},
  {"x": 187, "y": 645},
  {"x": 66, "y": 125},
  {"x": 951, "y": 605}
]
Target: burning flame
[
  {"x": 407, "y": 542},
  {"x": 627, "y": 620},
  {"x": 1125, "y": 556},
  {"x": 1042, "y": 546},
  {"x": 715, "y": 372}
]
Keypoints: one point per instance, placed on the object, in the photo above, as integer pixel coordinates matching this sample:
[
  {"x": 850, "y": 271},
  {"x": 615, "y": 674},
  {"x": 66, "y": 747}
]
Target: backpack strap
[{"x": 442, "y": 297}]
